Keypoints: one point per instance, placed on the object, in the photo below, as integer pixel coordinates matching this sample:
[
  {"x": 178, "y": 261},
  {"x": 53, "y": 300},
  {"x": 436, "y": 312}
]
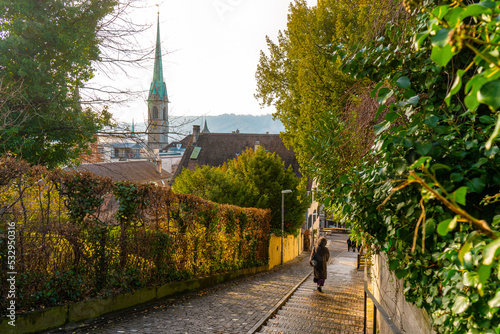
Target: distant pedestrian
[
  {"x": 349, "y": 244},
  {"x": 353, "y": 246},
  {"x": 321, "y": 254}
]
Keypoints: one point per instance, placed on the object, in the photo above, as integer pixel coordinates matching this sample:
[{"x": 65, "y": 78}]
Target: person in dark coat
[
  {"x": 349, "y": 244},
  {"x": 321, "y": 254},
  {"x": 353, "y": 246}
]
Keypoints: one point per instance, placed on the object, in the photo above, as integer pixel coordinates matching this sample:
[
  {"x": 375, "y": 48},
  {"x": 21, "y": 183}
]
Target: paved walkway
[
  {"x": 339, "y": 309},
  {"x": 237, "y": 307}
]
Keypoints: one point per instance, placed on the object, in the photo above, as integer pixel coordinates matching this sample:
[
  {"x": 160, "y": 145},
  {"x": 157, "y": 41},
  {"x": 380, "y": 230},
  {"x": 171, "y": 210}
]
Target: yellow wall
[{"x": 292, "y": 247}]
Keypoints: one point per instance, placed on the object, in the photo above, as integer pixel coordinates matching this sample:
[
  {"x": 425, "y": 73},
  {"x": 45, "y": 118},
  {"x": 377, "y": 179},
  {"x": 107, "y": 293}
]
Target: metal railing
[{"x": 376, "y": 307}]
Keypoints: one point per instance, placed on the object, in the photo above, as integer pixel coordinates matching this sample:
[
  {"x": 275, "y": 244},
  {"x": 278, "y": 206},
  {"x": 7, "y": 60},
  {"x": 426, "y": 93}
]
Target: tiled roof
[
  {"x": 217, "y": 148},
  {"x": 135, "y": 171}
]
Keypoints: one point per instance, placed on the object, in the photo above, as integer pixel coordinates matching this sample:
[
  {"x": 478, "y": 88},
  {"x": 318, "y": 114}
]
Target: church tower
[{"x": 158, "y": 102}]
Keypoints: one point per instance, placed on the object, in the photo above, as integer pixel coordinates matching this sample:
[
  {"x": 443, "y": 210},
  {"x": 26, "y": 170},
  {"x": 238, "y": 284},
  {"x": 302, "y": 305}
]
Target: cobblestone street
[
  {"x": 339, "y": 309},
  {"x": 239, "y": 306}
]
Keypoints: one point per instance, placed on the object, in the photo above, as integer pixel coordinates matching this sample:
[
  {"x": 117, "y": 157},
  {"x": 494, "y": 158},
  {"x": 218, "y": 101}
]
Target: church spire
[
  {"x": 158, "y": 127},
  {"x": 158, "y": 86},
  {"x": 205, "y": 128}
]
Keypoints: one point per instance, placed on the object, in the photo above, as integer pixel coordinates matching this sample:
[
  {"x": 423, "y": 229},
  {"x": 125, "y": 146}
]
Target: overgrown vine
[{"x": 427, "y": 196}]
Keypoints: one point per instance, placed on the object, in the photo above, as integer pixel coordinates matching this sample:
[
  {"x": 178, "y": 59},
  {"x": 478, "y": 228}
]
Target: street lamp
[{"x": 283, "y": 192}]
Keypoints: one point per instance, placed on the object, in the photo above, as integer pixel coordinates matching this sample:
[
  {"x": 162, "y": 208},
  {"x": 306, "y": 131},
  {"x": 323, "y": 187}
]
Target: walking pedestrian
[
  {"x": 353, "y": 246},
  {"x": 321, "y": 254},
  {"x": 349, "y": 244}
]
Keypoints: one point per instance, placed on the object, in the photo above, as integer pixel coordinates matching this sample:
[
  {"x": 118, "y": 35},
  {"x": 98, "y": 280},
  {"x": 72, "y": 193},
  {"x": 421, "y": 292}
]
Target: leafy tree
[
  {"x": 312, "y": 95},
  {"x": 265, "y": 175},
  {"x": 253, "y": 179},
  {"x": 46, "y": 51},
  {"x": 211, "y": 183}
]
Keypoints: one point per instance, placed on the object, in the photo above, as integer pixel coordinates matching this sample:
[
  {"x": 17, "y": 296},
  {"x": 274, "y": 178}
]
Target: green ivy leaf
[
  {"x": 421, "y": 161},
  {"x": 403, "y": 82},
  {"x": 420, "y": 38},
  {"x": 440, "y": 11},
  {"x": 480, "y": 162},
  {"x": 374, "y": 91},
  {"x": 487, "y": 119},
  {"x": 495, "y": 302},
  {"x": 384, "y": 94},
  {"x": 461, "y": 304},
  {"x": 379, "y": 110},
  {"x": 449, "y": 275},
  {"x": 400, "y": 273},
  {"x": 476, "y": 185},
  {"x": 443, "y": 227},
  {"x": 475, "y": 10},
  {"x": 447, "y": 225},
  {"x": 393, "y": 265},
  {"x": 423, "y": 148},
  {"x": 453, "y": 223},
  {"x": 484, "y": 272},
  {"x": 493, "y": 135},
  {"x": 441, "y": 38},
  {"x": 459, "y": 195},
  {"x": 496, "y": 220},
  {"x": 456, "y": 177},
  {"x": 432, "y": 121},
  {"x": 391, "y": 116},
  {"x": 442, "y": 56},
  {"x": 436, "y": 167},
  {"x": 464, "y": 250},
  {"x": 453, "y": 16},
  {"x": 457, "y": 84},
  {"x": 471, "y": 89},
  {"x": 379, "y": 128},
  {"x": 489, "y": 252},
  {"x": 413, "y": 100},
  {"x": 471, "y": 279},
  {"x": 489, "y": 94}
]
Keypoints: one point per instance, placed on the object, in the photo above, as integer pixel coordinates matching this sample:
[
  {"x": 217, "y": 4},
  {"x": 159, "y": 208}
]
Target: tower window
[
  {"x": 155, "y": 113},
  {"x": 165, "y": 116}
]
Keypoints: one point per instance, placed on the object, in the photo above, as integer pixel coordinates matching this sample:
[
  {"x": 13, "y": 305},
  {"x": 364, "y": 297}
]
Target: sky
[{"x": 210, "y": 50}]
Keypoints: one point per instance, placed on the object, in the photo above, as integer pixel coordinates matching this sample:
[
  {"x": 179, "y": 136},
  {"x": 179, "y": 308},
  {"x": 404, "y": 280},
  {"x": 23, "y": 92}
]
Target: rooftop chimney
[
  {"x": 158, "y": 166},
  {"x": 196, "y": 133}
]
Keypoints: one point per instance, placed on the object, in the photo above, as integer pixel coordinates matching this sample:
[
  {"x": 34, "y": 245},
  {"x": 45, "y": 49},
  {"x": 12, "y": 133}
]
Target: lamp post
[{"x": 283, "y": 192}]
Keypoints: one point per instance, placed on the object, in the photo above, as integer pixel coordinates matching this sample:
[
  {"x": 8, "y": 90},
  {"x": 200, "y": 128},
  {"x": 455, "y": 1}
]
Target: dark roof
[
  {"x": 218, "y": 148},
  {"x": 184, "y": 142},
  {"x": 135, "y": 171}
]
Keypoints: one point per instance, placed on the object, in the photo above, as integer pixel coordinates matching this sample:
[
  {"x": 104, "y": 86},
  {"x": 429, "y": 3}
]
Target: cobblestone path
[
  {"x": 338, "y": 309},
  {"x": 236, "y": 307}
]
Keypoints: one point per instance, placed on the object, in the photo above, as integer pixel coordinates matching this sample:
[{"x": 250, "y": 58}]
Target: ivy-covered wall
[{"x": 79, "y": 236}]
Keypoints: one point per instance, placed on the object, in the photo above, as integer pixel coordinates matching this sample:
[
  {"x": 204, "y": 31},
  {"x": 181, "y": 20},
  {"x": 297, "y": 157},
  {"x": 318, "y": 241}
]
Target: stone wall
[{"x": 389, "y": 292}]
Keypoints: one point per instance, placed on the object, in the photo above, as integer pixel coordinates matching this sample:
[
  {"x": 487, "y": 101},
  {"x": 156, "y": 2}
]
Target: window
[
  {"x": 155, "y": 113},
  {"x": 165, "y": 116}
]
